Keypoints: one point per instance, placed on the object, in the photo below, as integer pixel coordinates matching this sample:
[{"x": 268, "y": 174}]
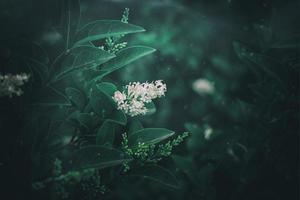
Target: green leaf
[
  {"x": 96, "y": 156},
  {"x": 159, "y": 174},
  {"x": 108, "y": 88},
  {"x": 83, "y": 119},
  {"x": 106, "y": 133},
  {"x": 105, "y": 107},
  {"x": 149, "y": 136},
  {"x": 135, "y": 125},
  {"x": 82, "y": 58},
  {"x": 124, "y": 57},
  {"x": 101, "y": 29},
  {"x": 76, "y": 97},
  {"x": 49, "y": 96}
]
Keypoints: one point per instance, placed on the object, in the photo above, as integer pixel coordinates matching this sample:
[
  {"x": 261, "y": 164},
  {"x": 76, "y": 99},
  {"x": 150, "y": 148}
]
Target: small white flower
[
  {"x": 133, "y": 99},
  {"x": 119, "y": 97}
]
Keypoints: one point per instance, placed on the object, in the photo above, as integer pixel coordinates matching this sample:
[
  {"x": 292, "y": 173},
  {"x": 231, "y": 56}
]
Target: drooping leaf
[
  {"x": 82, "y": 58},
  {"x": 100, "y": 29},
  {"x": 76, "y": 96},
  {"x": 124, "y": 57},
  {"x": 149, "y": 136},
  {"x": 106, "y": 133},
  {"x": 49, "y": 96},
  {"x": 96, "y": 156},
  {"x": 158, "y": 174},
  {"x": 39, "y": 69}
]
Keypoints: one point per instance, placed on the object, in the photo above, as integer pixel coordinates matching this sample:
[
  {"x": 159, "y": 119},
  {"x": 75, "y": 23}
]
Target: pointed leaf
[
  {"x": 101, "y": 29},
  {"x": 126, "y": 56},
  {"x": 82, "y": 58}
]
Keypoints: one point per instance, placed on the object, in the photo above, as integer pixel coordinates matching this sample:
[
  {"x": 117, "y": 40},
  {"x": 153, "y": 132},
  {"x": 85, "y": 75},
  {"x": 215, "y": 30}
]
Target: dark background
[{"x": 251, "y": 114}]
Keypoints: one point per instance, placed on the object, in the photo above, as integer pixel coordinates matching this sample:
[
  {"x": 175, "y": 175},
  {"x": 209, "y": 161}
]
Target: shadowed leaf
[
  {"x": 96, "y": 156},
  {"x": 159, "y": 174},
  {"x": 106, "y": 133},
  {"x": 76, "y": 97}
]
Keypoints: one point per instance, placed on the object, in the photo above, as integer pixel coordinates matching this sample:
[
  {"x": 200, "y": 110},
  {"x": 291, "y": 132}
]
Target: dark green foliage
[
  {"x": 76, "y": 126},
  {"x": 65, "y": 138}
]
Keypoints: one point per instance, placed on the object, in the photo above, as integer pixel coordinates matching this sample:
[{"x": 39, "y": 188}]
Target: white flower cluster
[
  {"x": 136, "y": 95},
  {"x": 9, "y": 84}
]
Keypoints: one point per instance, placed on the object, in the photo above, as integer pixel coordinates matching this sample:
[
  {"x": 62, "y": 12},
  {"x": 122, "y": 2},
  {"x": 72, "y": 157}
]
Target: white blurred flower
[
  {"x": 208, "y": 132},
  {"x": 133, "y": 99},
  {"x": 203, "y": 86},
  {"x": 51, "y": 37},
  {"x": 9, "y": 84}
]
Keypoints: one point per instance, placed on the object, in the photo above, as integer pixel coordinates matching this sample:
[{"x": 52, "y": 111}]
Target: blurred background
[{"x": 232, "y": 73}]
